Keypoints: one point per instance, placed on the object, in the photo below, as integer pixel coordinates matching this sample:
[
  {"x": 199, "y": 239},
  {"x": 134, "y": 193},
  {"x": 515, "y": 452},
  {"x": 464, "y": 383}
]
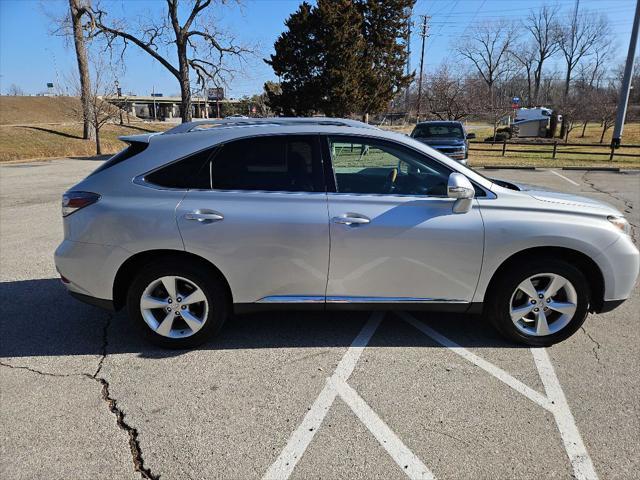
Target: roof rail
[{"x": 201, "y": 125}]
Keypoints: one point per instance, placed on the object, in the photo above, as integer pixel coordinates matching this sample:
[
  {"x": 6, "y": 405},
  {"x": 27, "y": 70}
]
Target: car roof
[
  {"x": 180, "y": 142},
  {"x": 440, "y": 122},
  {"x": 230, "y": 122}
]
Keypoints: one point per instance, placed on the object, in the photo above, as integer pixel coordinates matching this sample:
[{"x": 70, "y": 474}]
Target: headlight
[{"x": 621, "y": 223}]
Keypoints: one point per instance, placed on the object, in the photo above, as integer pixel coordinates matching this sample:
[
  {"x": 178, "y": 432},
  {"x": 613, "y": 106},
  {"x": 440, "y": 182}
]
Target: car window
[
  {"x": 378, "y": 167},
  {"x": 133, "y": 149},
  {"x": 438, "y": 131},
  {"x": 278, "y": 163},
  {"x": 186, "y": 173}
]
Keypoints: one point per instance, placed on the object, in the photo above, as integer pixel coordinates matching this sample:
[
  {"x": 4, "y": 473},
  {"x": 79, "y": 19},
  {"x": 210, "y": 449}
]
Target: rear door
[
  {"x": 263, "y": 219},
  {"x": 394, "y": 236}
]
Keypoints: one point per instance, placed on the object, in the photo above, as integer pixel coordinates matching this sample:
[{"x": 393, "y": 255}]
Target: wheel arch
[
  {"x": 128, "y": 270},
  {"x": 583, "y": 262}
]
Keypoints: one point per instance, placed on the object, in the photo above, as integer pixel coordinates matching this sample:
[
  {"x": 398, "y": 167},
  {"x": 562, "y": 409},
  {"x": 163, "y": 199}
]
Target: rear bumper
[
  {"x": 89, "y": 269},
  {"x": 96, "y": 302}
]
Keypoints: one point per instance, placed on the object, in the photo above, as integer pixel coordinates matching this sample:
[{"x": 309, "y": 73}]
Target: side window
[
  {"x": 133, "y": 149},
  {"x": 278, "y": 163},
  {"x": 188, "y": 172},
  {"x": 377, "y": 167}
]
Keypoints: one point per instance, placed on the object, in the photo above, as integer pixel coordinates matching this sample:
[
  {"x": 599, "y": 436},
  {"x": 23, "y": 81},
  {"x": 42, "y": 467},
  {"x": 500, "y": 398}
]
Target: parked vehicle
[
  {"x": 448, "y": 137},
  {"x": 186, "y": 227}
]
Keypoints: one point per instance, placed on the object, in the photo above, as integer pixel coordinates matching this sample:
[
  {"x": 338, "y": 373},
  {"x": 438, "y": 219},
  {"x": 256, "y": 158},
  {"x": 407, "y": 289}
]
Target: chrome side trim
[
  {"x": 347, "y": 299},
  {"x": 292, "y": 299}
]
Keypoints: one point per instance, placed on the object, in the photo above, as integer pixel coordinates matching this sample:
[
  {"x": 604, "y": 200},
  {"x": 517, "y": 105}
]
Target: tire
[
  {"x": 192, "y": 323},
  {"x": 507, "y": 296}
]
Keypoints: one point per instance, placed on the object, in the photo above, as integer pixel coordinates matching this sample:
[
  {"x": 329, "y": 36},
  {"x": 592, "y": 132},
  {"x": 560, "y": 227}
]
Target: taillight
[{"x": 74, "y": 201}]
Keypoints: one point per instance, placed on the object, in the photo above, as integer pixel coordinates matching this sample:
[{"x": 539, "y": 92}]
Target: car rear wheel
[
  {"x": 539, "y": 303},
  {"x": 177, "y": 304}
]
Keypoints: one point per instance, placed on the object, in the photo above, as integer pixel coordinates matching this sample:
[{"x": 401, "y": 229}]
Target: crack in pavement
[
  {"x": 39, "y": 372},
  {"x": 132, "y": 432},
  {"x": 595, "y": 342}
]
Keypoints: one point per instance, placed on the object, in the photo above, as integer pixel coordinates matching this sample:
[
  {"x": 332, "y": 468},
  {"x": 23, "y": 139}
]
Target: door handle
[
  {"x": 351, "y": 219},
  {"x": 204, "y": 216}
]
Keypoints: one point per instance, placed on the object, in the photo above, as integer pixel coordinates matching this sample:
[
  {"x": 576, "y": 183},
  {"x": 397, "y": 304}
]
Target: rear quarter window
[
  {"x": 131, "y": 151},
  {"x": 188, "y": 172}
]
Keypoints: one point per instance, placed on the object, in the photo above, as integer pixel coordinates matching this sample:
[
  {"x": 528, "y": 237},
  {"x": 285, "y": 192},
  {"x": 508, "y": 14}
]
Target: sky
[{"x": 30, "y": 56}]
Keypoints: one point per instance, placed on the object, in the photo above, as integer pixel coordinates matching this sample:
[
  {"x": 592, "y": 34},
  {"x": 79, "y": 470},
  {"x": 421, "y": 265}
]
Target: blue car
[{"x": 448, "y": 137}]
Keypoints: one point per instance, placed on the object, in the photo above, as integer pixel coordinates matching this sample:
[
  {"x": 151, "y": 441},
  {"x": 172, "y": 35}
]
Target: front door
[
  {"x": 394, "y": 236},
  {"x": 263, "y": 222}
]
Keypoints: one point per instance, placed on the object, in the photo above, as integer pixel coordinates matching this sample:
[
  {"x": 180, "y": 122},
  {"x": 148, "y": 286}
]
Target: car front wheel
[
  {"x": 177, "y": 305},
  {"x": 539, "y": 303}
]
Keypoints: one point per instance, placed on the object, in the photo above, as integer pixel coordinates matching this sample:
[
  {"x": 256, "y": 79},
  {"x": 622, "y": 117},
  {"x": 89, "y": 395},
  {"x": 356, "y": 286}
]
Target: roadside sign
[{"x": 216, "y": 93}]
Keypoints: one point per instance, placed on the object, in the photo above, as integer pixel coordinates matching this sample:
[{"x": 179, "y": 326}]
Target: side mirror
[
  {"x": 460, "y": 188},
  {"x": 471, "y": 136}
]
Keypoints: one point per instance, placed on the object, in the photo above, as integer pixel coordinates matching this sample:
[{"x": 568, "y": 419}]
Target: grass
[
  {"x": 522, "y": 157},
  {"x": 65, "y": 140},
  {"x": 30, "y": 110},
  {"x": 43, "y": 127}
]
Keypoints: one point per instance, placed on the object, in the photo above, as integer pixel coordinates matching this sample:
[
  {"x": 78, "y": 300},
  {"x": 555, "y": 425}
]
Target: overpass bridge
[{"x": 165, "y": 108}]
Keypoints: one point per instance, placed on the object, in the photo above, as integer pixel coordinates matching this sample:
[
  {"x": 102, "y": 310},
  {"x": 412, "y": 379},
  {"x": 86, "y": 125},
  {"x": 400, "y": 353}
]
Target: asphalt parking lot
[{"x": 300, "y": 395}]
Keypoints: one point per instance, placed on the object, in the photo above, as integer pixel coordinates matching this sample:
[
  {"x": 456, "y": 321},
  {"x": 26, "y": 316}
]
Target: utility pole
[
  {"x": 409, "y": 25},
  {"x": 153, "y": 94},
  {"x": 626, "y": 81},
  {"x": 119, "y": 94},
  {"x": 424, "y": 35}
]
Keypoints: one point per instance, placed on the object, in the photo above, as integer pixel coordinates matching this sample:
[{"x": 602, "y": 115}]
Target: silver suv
[{"x": 186, "y": 227}]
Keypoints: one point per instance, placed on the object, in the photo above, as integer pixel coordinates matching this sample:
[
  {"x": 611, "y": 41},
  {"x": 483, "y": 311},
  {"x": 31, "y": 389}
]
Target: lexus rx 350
[{"x": 187, "y": 227}]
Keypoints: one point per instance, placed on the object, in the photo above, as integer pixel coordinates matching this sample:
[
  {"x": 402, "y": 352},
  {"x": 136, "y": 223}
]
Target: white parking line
[
  {"x": 405, "y": 458},
  {"x": 555, "y": 402},
  {"x": 337, "y": 385},
  {"x": 565, "y": 178},
  {"x": 573, "y": 444},
  {"x": 491, "y": 369},
  {"x": 302, "y": 436}
]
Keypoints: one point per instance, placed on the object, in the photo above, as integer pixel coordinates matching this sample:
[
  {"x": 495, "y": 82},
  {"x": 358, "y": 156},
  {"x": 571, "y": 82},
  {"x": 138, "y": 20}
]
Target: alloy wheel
[
  {"x": 174, "y": 307},
  {"x": 543, "y": 304}
]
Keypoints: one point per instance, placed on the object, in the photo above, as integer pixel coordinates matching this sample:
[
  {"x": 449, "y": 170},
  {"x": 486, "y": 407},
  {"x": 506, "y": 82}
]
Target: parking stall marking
[
  {"x": 555, "y": 401},
  {"x": 336, "y": 385},
  {"x": 573, "y": 444},
  {"x": 565, "y": 178}
]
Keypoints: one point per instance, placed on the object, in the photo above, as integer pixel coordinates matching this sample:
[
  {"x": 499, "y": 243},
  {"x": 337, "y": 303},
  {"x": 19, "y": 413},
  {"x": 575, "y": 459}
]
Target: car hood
[
  {"x": 545, "y": 195},
  {"x": 440, "y": 141},
  {"x": 575, "y": 200}
]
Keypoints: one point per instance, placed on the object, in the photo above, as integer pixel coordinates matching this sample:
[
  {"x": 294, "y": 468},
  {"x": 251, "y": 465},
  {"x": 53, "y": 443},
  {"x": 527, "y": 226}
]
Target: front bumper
[{"x": 619, "y": 263}]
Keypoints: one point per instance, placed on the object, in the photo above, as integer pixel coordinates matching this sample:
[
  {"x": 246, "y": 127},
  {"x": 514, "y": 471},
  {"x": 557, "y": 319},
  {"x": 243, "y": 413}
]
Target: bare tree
[
  {"x": 588, "y": 86},
  {"x": 199, "y": 46},
  {"x": 77, "y": 9},
  {"x": 545, "y": 32},
  {"x": 579, "y": 39},
  {"x": 525, "y": 56},
  {"x": 607, "y": 101},
  {"x": 101, "y": 111},
  {"x": 445, "y": 95},
  {"x": 487, "y": 48},
  {"x": 15, "y": 90}
]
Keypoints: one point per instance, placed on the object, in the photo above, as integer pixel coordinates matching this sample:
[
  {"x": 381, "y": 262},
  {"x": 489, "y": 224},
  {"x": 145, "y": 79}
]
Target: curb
[
  {"x": 507, "y": 167},
  {"x": 594, "y": 169}
]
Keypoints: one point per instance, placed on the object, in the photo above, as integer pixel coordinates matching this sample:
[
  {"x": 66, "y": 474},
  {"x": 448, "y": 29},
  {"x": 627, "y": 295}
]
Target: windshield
[{"x": 438, "y": 131}]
